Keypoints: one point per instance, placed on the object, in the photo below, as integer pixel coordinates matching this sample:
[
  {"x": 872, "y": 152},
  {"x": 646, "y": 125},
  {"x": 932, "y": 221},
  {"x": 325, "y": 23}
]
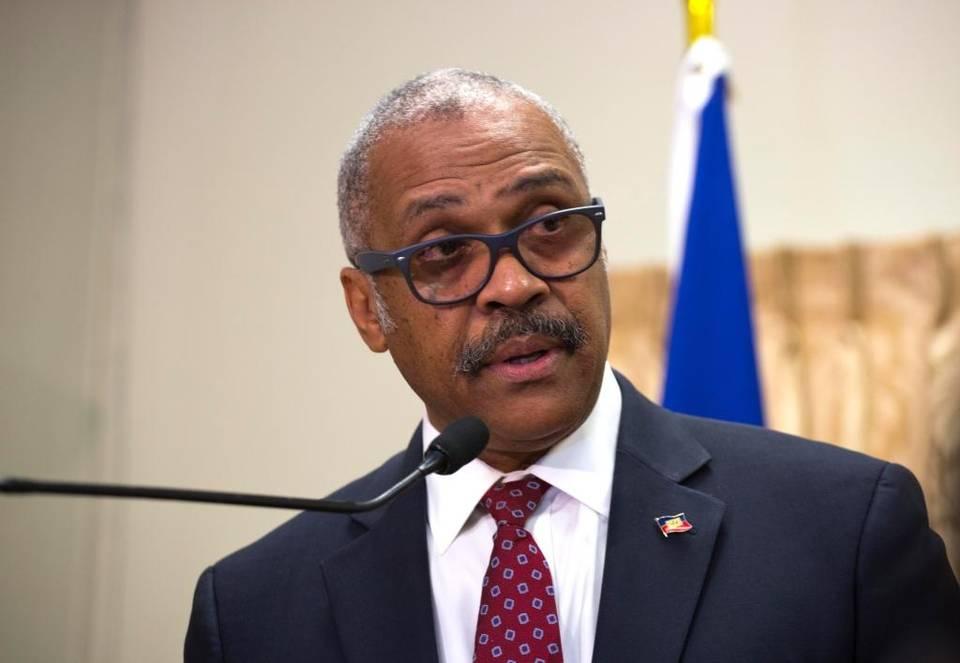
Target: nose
[{"x": 510, "y": 285}]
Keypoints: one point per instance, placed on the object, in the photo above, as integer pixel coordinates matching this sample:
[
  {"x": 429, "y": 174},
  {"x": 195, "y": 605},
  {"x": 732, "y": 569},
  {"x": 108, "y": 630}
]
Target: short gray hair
[{"x": 440, "y": 94}]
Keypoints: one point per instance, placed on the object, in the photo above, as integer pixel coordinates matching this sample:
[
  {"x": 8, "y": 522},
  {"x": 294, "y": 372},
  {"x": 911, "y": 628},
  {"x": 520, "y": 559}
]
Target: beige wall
[
  {"x": 169, "y": 305},
  {"x": 61, "y": 119}
]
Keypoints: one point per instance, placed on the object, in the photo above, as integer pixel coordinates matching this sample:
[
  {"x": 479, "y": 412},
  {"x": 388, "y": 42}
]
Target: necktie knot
[{"x": 512, "y": 503}]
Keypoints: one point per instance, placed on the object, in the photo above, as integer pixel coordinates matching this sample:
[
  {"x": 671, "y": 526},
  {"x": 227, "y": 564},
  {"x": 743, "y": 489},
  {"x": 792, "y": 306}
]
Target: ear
[{"x": 358, "y": 294}]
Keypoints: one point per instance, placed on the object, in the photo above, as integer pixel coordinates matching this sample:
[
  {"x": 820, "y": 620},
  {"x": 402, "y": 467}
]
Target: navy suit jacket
[{"x": 801, "y": 552}]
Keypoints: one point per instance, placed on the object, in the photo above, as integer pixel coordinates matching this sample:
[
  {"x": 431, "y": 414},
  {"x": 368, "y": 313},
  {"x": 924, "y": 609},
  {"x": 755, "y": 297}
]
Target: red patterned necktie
[{"x": 518, "y": 612}]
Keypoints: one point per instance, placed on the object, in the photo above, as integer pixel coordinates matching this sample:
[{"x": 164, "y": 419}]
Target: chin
[
  {"x": 538, "y": 427},
  {"x": 542, "y": 411}
]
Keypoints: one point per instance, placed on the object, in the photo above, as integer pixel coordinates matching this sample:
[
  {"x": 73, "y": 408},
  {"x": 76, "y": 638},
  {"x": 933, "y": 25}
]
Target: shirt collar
[{"x": 580, "y": 465}]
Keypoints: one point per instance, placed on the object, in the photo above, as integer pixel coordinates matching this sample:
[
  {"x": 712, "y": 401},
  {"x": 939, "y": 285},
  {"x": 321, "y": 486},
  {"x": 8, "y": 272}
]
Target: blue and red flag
[
  {"x": 711, "y": 360},
  {"x": 675, "y": 524}
]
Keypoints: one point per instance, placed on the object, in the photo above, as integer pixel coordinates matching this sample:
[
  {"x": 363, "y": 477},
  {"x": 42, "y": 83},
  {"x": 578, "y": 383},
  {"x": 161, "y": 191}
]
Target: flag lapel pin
[{"x": 675, "y": 524}]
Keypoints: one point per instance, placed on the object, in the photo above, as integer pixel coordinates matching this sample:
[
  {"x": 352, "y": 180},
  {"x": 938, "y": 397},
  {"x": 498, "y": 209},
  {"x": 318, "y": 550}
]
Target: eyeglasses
[{"x": 453, "y": 268}]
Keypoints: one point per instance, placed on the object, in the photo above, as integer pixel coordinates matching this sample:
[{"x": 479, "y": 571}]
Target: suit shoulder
[
  {"x": 776, "y": 453},
  {"x": 267, "y": 601},
  {"x": 659, "y": 437},
  {"x": 311, "y": 535}
]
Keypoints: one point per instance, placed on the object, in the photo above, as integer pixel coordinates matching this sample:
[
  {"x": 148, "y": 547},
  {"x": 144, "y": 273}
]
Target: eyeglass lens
[{"x": 459, "y": 267}]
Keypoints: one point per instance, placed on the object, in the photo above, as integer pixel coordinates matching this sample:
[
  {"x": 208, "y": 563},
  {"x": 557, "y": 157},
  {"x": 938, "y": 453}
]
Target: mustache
[{"x": 568, "y": 330}]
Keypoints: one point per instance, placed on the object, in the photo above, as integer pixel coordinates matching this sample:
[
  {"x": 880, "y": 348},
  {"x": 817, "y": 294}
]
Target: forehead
[{"x": 472, "y": 158}]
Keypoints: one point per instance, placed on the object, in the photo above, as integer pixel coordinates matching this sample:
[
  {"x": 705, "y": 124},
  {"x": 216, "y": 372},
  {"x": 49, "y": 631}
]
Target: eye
[
  {"x": 553, "y": 225},
  {"x": 550, "y": 227},
  {"x": 444, "y": 250}
]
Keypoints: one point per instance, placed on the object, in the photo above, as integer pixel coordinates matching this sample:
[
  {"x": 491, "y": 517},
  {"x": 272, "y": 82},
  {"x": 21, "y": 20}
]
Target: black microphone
[{"x": 457, "y": 445}]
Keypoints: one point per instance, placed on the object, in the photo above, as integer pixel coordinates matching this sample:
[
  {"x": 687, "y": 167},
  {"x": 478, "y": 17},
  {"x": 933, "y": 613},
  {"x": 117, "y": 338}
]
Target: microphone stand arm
[{"x": 23, "y": 486}]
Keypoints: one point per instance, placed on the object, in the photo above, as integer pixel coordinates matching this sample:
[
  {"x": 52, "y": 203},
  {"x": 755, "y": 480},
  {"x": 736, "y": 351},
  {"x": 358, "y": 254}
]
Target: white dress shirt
[{"x": 570, "y": 526}]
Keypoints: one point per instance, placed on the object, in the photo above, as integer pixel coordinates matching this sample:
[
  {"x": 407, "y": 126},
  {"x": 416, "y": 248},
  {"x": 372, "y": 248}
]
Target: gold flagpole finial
[{"x": 699, "y": 19}]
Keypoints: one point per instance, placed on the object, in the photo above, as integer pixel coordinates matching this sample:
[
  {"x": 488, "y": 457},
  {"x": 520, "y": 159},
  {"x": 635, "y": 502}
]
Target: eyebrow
[
  {"x": 540, "y": 180},
  {"x": 428, "y": 203}
]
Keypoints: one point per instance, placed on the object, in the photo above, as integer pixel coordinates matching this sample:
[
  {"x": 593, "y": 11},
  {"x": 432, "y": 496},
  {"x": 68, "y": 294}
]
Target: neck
[
  {"x": 509, "y": 455},
  {"x": 510, "y": 461}
]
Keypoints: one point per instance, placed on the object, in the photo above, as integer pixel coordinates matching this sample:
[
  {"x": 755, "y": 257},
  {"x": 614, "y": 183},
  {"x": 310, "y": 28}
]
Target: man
[{"x": 474, "y": 240}]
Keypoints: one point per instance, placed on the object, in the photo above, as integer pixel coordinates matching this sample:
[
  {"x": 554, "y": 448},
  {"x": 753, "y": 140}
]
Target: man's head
[{"x": 456, "y": 152}]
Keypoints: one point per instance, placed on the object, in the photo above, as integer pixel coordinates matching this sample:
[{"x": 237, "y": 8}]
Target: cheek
[
  {"x": 589, "y": 301},
  {"x": 600, "y": 296},
  {"x": 426, "y": 344},
  {"x": 606, "y": 309}
]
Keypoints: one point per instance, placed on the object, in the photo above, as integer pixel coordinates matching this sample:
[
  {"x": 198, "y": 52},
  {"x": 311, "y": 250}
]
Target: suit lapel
[
  {"x": 651, "y": 584},
  {"x": 379, "y": 585}
]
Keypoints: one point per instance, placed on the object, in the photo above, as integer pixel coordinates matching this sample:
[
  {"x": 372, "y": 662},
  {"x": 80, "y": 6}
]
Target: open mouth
[
  {"x": 522, "y": 339},
  {"x": 526, "y": 359},
  {"x": 526, "y": 364}
]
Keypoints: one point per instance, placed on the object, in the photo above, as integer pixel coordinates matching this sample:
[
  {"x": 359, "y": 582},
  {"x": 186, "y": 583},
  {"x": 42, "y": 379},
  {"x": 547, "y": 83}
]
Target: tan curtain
[{"x": 858, "y": 345}]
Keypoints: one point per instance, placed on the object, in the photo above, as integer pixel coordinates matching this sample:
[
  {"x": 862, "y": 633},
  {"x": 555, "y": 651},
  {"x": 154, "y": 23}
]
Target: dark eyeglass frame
[{"x": 372, "y": 262}]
